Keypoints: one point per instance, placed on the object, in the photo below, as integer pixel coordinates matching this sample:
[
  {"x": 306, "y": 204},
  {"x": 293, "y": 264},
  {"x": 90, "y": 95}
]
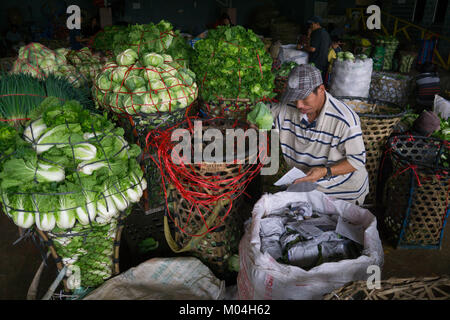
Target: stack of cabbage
[
  {"x": 86, "y": 63},
  {"x": 40, "y": 61},
  {"x": 232, "y": 63},
  {"x": 69, "y": 170},
  {"x": 390, "y": 44},
  {"x": 351, "y": 76},
  {"x": 144, "y": 84},
  {"x": 159, "y": 38}
]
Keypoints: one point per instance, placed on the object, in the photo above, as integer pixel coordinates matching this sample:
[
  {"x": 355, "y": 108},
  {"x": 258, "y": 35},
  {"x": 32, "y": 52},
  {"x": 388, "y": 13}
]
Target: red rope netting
[
  {"x": 39, "y": 61},
  {"x": 144, "y": 90},
  {"x": 202, "y": 192}
]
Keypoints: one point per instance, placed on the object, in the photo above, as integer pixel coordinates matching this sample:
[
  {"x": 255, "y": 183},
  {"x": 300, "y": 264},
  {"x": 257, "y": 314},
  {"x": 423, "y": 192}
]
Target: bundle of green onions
[{"x": 20, "y": 94}]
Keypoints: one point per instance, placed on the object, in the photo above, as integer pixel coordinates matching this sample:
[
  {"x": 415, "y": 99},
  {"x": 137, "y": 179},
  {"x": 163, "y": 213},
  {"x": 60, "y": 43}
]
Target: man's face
[{"x": 311, "y": 103}]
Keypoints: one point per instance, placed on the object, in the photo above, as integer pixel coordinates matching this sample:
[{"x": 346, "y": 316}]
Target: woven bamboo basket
[
  {"x": 378, "y": 119},
  {"x": 49, "y": 240},
  {"x": 390, "y": 86},
  {"x": 416, "y": 213},
  {"x": 425, "y": 288},
  {"x": 236, "y": 109},
  {"x": 223, "y": 218}
]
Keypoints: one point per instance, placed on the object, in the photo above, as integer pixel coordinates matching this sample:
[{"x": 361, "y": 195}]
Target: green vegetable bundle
[
  {"x": 144, "y": 83},
  {"x": 39, "y": 61},
  {"x": 231, "y": 63},
  {"x": 68, "y": 166},
  {"x": 88, "y": 253},
  {"x": 87, "y": 64},
  {"x": 21, "y": 93}
]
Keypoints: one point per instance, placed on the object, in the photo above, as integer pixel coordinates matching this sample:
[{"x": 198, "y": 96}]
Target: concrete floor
[{"x": 19, "y": 263}]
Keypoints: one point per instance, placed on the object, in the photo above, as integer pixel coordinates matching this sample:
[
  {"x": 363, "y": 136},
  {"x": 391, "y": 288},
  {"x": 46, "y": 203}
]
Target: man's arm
[{"x": 317, "y": 173}]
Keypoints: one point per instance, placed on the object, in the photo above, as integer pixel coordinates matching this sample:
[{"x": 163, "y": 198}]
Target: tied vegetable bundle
[
  {"x": 159, "y": 38},
  {"x": 231, "y": 63},
  {"x": 144, "y": 83},
  {"x": 21, "y": 93},
  {"x": 39, "y": 61},
  {"x": 87, "y": 252},
  {"x": 68, "y": 166},
  {"x": 87, "y": 64}
]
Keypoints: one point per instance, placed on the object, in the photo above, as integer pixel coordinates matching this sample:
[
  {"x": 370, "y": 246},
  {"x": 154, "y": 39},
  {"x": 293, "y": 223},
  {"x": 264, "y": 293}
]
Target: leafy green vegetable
[
  {"x": 261, "y": 116},
  {"x": 232, "y": 62},
  {"x": 147, "y": 245}
]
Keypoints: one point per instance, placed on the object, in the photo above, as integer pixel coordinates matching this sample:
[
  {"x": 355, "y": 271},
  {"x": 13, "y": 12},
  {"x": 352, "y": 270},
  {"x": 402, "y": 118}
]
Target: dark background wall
[{"x": 187, "y": 15}]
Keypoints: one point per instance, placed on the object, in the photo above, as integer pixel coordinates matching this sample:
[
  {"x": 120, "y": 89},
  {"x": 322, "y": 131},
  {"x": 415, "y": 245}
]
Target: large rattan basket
[
  {"x": 416, "y": 192},
  {"x": 378, "y": 119}
]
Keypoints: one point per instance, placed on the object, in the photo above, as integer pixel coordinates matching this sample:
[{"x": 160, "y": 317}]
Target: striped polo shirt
[{"x": 333, "y": 136}]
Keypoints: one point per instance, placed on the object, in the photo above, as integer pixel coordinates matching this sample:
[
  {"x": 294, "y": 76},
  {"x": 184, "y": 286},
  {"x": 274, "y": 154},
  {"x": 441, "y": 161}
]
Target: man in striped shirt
[{"x": 321, "y": 136}]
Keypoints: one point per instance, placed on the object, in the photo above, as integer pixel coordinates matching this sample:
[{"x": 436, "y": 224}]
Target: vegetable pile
[
  {"x": 86, "y": 63},
  {"x": 231, "y": 63},
  {"x": 87, "y": 251},
  {"x": 71, "y": 174},
  {"x": 159, "y": 38},
  {"x": 68, "y": 166},
  {"x": 39, "y": 61},
  {"x": 390, "y": 44},
  {"x": 146, "y": 83}
]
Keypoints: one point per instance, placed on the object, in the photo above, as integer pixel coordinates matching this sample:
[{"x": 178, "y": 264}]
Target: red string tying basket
[{"x": 205, "y": 195}]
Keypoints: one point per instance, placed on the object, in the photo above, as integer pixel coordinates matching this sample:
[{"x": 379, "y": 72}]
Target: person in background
[
  {"x": 77, "y": 41},
  {"x": 93, "y": 28},
  {"x": 224, "y": 20},
  {"x": 318, "y": 46},
  {"x": 335, "y": 48},
  {"x": 428, "y": 85}
]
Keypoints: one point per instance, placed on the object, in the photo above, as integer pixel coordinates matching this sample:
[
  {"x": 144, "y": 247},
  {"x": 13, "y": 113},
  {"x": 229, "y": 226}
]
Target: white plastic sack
[
  {"x": 441, "y": 106},
  {"x": 351, "y": 79},
  {"x": 262, "y": 277},
  {"x": 290, "y": 53},
  {"x": 181, "y": 278}
]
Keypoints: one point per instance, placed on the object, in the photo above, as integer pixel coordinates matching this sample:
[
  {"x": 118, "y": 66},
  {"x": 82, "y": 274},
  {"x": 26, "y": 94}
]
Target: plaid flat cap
[{"x": 302, "y": 80}]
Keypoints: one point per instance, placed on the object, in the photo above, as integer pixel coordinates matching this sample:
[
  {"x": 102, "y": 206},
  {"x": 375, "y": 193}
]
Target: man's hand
[{"x": 313, "y": 175}]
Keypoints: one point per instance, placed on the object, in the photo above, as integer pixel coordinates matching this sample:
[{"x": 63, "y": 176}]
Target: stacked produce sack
[
  {"x": 70, "y": 173},
  {"x": 351, "y": 76},
  {"x": 378, "y": 58},
  {"x": 86, "y": 63},
  {"x": 406, "y": 61},
  {"x": 390, "y": 44},
  {"x": 40, "y": 61}
]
